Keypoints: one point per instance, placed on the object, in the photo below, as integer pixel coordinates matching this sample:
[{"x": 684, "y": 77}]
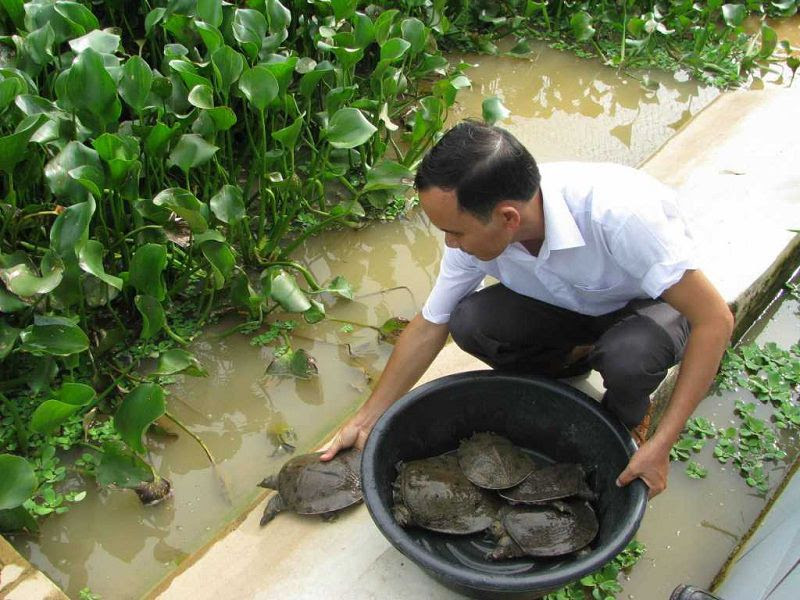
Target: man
[{"x": 595, "y": 268}]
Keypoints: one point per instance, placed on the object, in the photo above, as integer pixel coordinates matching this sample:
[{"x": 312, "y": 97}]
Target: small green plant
[
  {"x": 696, "y": 470},
  {"x": 604, "y": 583}
]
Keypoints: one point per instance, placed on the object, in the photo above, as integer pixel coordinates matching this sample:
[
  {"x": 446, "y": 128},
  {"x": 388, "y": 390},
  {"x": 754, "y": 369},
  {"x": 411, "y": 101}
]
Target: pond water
[
  {"x": 691, "y": 529},
  {"x": 562, "y": 108}
]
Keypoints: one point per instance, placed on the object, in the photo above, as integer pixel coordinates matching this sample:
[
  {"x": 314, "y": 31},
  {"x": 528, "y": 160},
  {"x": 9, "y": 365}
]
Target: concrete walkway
[{"x": 736, "y": 167}]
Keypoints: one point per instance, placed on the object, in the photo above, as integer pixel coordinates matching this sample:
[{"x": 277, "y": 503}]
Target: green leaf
[
  {"x": 210, "y": 11},
  {"x": 8, "y": 337},
  {"x": 120, "y": 153},
  {"x": 285, "y": 291},
  {"x": 179, "y": 361},
  {"x": 394, "y": 49},
  {"x": 153, "y": 18},
  {"x": 310, "y": 80},
  {"x": 581, "y": 23},
  {"x": 57, "y": 338},
  {"x": 392, "y": 328},
  {"x": 122, "y": 468},
  {"x": 157, "y": 140},
  {"x": 92, "y": 91},
  {"x": 56, "y": 172},
  {"x": 288, "y": 135},
  {"x": 184, "y": 204},
  {"x": 10, "y": 303},
  {"x": 15, "y": 9},
  {"x": 143, "y": 405},
  {"x": 9, "y": 90},
  {"x": 228, "y": 204},
  {"x": 249, "y": 29},
  {"x": 201, "y": 96},
  {"x": 91, "y": 178},
  {"x": 17, "y": 481},
  {"x": 339, "y": 285},
  {"x": 70, "y": 230},
  {"x": 243, "y": 295},
  {"x": 212, "y": 37},
  {"x": 344, "y": 9},
  {"x": 279, "y": 16},
  {"x": 494, "y": 110},
  {"x": 316, "y": 313},
  {"x": 17, "y": 519},
  {"x": 153, "y": 316},
  {"x": 388, "y": 175},
  {"x": 222, "y": 261},
  {"x": 135, "y": 82},
  {"x": 191, "y": 151},
  {"x": 22, "y": 281},
  {"x": 90, "y": 259},
  {"x": 734, "y": 14},
  {"x": 223, "y": 117},
  {"x": 13, "y": 148},
  {"x": 259, "y": 86},
  {"x": 415, "y": 33},
  {"x": 53, "y": 412},
  {"x": 294, "y": 363},
  {"x": 228, "y": 66},
  {"x": 349, "y": 128},
  {"x": 769, "y": 41},
  {"x": 147, "y": 266},
  {"x": 99, "y": 40}
]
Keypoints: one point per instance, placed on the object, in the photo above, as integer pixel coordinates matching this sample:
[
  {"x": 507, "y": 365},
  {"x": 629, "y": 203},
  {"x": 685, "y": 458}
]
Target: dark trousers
[{"x": 632, "y": 348}]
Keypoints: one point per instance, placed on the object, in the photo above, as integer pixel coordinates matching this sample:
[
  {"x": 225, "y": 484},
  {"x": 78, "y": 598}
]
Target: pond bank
[{"x": 733, "y": 165}]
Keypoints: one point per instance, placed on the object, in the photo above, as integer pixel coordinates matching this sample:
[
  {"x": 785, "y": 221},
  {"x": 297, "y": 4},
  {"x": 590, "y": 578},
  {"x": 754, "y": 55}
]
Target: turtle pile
[{"x": 491, "y": 485}]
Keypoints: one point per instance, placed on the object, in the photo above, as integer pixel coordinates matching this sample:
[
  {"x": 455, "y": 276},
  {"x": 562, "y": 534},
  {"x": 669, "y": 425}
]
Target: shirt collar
[{"x": 560, "y": 229}]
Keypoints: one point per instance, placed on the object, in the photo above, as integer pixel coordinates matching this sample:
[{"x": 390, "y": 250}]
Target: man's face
[{"x": 462, "y": 230}]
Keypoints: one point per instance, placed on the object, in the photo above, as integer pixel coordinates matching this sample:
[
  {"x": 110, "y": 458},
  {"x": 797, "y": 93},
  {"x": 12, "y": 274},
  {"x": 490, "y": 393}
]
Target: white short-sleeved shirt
[{"x": 612, "y": 234}]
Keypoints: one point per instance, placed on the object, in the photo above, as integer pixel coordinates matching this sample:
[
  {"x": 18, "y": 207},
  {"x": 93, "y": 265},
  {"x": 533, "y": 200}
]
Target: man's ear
[{"x": 509, "y": 216}]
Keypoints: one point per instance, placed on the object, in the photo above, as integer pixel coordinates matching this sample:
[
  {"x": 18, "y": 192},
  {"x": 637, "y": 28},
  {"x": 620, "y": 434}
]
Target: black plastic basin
[{"x": 546, "y": 417}]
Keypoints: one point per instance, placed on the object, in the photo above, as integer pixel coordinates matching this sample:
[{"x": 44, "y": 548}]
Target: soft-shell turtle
[
  {"x": 309, "y": 487},
  {"x": 433, "y": 493},
  {"x": 493, "y": 462},
  {"x": 549, "y": 483},
  {"x": 544, "y": 530}
]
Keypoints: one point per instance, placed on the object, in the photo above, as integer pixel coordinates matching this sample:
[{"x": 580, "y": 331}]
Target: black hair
[{"x": 483, "y": 164}]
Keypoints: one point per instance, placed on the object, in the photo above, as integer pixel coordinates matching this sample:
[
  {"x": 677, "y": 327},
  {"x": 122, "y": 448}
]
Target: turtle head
[
  {"x": 270, "y": 482},
  {"x": 402, "y": 515}
]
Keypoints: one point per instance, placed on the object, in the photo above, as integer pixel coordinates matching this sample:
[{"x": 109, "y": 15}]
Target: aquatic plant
[
  {"x": 721, "y": 43},
  {"x": 160, "y": 163}
]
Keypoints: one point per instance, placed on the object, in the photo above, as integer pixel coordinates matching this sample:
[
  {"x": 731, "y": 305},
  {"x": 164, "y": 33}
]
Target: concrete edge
[{"x": 20, "y": 580}]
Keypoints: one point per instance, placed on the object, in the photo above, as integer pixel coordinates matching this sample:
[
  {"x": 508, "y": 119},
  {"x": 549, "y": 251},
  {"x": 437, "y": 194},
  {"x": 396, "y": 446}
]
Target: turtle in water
[
  {"x": 309, "y": 486},
  {"x": 435, "y": 494},
  {"x": 493, "y": 462},
  {"x": 553, "y": 482},
  {"x": 543, "y": 530}
]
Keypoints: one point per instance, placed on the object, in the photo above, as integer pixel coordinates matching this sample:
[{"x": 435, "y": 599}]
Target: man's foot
[
  {"x": 689, "y": 592},
  {"x": 641, "y": 432}
]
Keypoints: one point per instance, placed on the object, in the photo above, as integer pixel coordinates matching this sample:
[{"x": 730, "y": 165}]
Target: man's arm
[
  {"x": 711, "y": 325},
  {"x": 413, "y": 353}
]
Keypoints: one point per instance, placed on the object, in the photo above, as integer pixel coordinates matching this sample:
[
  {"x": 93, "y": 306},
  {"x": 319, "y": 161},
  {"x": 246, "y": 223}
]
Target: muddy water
[
  {"x": 562, "y": 108},
  {"x": 691, "y": 529}
]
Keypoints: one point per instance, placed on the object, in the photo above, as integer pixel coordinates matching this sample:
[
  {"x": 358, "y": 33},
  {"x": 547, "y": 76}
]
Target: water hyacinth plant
[{"x": 164, "y": 159}]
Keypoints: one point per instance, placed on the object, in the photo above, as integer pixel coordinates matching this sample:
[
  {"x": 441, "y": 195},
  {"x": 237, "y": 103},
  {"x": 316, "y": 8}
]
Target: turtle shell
[
  {"x": 309, "y": 486},
  {"x": 550, "y": 530},
  {"x": 435, "y": 494},
  {"x": 493, "y": 462},
  {"x": 552, "y": 482}
]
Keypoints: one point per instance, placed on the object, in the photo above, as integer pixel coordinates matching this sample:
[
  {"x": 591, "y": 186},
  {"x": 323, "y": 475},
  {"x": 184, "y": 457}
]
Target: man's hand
[
  {"x": 351, "y": 434},
  {"x": 651, "y": 465}
]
